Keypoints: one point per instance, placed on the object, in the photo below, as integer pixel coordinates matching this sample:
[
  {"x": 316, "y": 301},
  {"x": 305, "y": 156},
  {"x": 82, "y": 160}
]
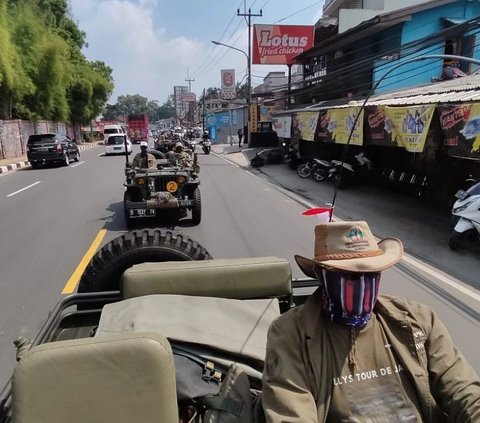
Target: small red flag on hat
[{"x": 324, "y": 214}]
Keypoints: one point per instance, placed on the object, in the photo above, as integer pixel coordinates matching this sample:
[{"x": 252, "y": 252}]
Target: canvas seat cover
[
  {"x": 121, "y": 378},
  {"x": 258, "y": 277}
]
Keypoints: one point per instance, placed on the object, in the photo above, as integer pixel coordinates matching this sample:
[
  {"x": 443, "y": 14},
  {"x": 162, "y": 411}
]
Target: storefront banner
[
  {"x": 375, "y": 132},
  {"x": 323, "y": 134},
  {"x": 405, "y": 127},
  {"x": 409, "y": 126},
  {"x": 340, "y": 124},
  {"x": 266, "y": 113},
  {"x": 461, "y": 128},
  {"x": 282, "y": 125},
  {"x": 304, "y": 125}
]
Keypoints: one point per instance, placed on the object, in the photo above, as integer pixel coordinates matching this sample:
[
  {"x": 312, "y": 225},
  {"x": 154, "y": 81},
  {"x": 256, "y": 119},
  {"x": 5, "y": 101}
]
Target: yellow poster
[
  {"x": 408, "y": 126},
  {"x": 340, "y": 124},
  {"x": 253, "y": 118},
  {"x": 305, "y": 123}
]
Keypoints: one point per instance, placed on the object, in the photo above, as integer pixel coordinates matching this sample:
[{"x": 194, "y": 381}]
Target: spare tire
[
  {"x": 155, "y": 153},
  {"x": 106, "y": 267}
]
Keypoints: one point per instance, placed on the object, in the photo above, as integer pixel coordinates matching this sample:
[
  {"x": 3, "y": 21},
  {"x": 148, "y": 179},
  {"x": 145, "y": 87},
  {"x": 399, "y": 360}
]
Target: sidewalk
[
  {"x": 7, "y": 165},
  {"x": 238, "y": 155}
]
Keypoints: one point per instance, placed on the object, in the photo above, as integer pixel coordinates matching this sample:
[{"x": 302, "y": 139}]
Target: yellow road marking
[{"x": 71, "y": 285}]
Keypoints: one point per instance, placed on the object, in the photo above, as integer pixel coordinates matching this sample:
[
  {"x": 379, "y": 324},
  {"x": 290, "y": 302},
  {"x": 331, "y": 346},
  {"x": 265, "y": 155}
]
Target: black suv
[{"x": 51, "y": 148}]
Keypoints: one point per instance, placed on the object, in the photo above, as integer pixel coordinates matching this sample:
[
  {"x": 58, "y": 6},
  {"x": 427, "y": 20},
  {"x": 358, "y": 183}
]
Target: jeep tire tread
[
  {"x": 197, "y": 207},
  {"x": 106, "y": 267}
]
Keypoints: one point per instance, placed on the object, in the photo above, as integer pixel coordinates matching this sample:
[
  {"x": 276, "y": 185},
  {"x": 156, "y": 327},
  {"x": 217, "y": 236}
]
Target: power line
[
  {"x": 298, "y": 11},
  {"x": 220, "y": 39}
]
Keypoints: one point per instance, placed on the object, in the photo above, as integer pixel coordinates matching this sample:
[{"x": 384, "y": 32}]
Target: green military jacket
[{"x": 297, "y": 379}]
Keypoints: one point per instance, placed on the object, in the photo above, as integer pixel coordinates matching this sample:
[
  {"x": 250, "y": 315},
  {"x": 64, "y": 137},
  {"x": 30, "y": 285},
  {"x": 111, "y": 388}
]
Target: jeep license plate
[{"x": 142, "y": 213}]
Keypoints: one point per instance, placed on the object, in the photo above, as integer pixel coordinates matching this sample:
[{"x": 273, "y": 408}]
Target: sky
[{"x": 152, "y": 44}]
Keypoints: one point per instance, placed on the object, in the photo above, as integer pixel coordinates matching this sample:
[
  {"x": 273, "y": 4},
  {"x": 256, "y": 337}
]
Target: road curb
[{"x": 24, "y": 163}]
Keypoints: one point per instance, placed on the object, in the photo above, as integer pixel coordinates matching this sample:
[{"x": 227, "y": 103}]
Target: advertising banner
[
  {"x": 228, "y": 83},
  {"x": 282, "y": 126},
  {"x": 279, "y": 44},
  {"x": 461, "y": 127},
  {"x": 405, "y": 127},
  {"x": 304, "y": 125},
  {"x": 266, "y": 113},
  {"x": 335, "y": 126}
]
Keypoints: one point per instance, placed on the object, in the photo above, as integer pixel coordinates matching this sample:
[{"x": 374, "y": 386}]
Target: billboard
[
  {"x": 279, "y": 44},
  {"x": 228, "y": 83}
]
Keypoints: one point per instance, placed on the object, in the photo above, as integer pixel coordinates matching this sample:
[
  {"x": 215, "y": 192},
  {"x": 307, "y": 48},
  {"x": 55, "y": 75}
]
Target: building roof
[
  {"x": 460, "y": 90},
  {"x": 367, "y": 28}
]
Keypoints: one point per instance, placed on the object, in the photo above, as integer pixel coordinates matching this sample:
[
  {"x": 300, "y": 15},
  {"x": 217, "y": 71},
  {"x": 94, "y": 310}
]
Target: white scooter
[{"x": 467, "y": 210}]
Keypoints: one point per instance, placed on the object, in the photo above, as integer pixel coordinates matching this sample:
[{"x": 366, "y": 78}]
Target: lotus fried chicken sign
[{"x": 279, "y": 44}]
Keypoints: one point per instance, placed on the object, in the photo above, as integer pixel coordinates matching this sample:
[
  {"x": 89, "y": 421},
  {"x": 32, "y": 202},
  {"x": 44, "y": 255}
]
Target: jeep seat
[
  {"x": 246, "y": 278},
  {"x": 120, "y": 379}
]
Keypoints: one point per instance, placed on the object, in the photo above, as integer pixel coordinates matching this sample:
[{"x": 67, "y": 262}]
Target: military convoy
[{"x": 164, "y": 194}]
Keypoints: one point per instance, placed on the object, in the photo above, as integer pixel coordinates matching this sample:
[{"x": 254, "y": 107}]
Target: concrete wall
[{"x": 14, "y": 134}]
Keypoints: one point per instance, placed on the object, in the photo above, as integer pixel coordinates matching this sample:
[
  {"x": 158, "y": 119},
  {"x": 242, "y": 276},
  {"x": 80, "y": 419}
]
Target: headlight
[
  {"x": 181, "y": 179},
  {"x": 461, "y": 208},
  {"x": 141, "y": 181}
]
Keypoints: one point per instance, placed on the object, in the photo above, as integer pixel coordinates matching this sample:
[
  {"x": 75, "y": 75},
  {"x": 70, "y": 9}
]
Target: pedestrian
[
  {"x": 240, "y": 137},
  {"x": 348, "y": 355},
  {"x": 144, "y": 160}
]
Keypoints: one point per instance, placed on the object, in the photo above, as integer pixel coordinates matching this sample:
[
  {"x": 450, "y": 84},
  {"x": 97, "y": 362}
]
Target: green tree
[{"x": 241, "y": 90}]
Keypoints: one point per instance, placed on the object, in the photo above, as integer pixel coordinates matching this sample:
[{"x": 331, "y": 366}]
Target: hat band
[{"x": 346, "y": 256}]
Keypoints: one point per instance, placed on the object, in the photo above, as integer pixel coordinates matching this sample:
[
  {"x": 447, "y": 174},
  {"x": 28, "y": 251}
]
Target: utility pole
[
  {"x": 249, "y": 15},
  {"x": 189, "y": 80}
]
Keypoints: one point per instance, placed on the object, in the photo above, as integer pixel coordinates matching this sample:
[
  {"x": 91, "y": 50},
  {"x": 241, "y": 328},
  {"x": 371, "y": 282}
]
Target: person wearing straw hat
[{"x": 351, "y": 355}]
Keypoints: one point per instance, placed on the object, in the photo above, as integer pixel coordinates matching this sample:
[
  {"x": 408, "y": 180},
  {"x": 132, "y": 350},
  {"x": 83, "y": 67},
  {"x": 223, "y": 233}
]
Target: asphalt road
[{"x": 49, "y": 218}]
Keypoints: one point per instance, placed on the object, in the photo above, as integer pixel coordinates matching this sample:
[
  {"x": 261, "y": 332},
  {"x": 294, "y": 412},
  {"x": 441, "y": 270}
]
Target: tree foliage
[
  {"x": 137, "y": 104},
  {"x": 43, "y": 72}
]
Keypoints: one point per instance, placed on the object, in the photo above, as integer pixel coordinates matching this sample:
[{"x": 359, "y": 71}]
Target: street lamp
[{"x": 249, "y": 83}]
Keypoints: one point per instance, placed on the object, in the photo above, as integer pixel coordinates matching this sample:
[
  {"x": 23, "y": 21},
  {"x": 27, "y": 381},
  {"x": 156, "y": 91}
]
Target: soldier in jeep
[
  {"x": 180, "y": 157},
  {"x": 144, "y": 160}
]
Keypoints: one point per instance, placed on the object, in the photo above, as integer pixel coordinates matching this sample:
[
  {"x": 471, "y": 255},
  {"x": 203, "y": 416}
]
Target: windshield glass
[
  {"x": 475, "y": 190},
  {"x": 117, "y": 140},
  {"x": 40, "y": 139},
  {"x": 111, "y": 131}
]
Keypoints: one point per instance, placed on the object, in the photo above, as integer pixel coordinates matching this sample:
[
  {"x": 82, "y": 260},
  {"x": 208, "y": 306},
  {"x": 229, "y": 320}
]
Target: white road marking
[
  {"x": 77, "y": 164},
  {"x": 223, "y": 158},
  {"x": 101, "y": 154},
  {"x": 23, "y": 189}
]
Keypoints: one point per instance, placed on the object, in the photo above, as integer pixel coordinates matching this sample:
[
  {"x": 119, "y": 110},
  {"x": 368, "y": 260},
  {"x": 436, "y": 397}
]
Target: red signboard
[{"x": 279, "y": 44}]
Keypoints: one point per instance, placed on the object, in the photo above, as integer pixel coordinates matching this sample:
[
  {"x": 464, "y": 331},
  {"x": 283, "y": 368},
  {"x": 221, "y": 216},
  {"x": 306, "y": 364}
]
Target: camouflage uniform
[
  {"x": 146, "y": 161},
  {"x": 183, "y": 159}
]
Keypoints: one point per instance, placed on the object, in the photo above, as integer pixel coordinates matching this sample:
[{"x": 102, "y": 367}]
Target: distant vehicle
[
  {"x": 138, "y": 128},
  {"x": 112, "y": 129},
  {"x": 51, "y": 148},
  {"x": 115, "y": 144}
]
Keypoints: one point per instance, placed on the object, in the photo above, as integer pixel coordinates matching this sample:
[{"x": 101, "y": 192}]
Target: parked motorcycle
[
  {"x": 345, "y": 174},
  {"x": 467, "y": 210},
  {"x": 317, "y": 168}
]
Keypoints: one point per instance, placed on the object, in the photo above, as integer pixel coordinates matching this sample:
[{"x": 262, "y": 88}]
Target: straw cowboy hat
[{"x": 350, "y": 247}]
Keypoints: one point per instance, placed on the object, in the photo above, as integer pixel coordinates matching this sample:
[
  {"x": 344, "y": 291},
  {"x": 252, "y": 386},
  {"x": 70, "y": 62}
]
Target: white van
[{"x": 112, "y": 129}]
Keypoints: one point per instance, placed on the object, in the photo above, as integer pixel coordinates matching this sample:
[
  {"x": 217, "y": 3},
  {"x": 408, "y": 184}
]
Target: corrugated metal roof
[{"x": 454, "y": 91}]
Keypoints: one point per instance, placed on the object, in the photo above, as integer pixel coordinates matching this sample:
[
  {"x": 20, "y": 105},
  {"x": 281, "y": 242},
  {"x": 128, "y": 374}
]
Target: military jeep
[{"x": 164, "y": 193}]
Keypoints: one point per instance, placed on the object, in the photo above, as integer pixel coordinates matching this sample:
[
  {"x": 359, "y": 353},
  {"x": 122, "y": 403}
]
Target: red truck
[{"x": 138, "y": 128}]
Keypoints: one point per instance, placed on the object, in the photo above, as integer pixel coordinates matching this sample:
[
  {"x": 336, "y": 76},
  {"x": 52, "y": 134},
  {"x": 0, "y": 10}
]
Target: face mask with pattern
[{"x": 348, "y": 298}]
